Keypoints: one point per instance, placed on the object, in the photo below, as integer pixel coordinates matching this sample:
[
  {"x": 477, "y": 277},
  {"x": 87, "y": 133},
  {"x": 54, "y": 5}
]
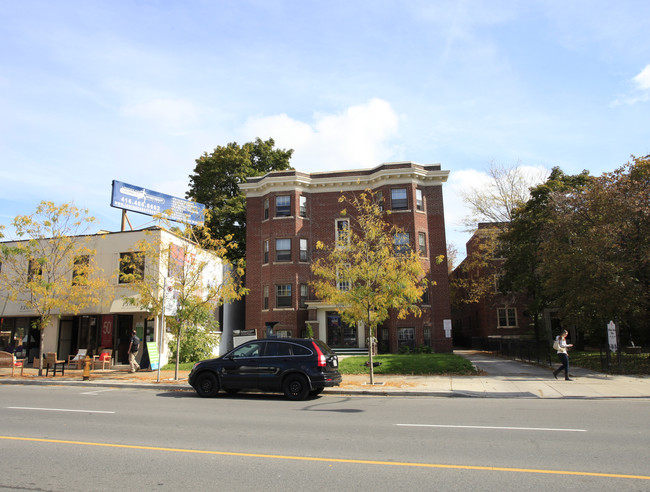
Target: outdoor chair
[
  {"x": 78, "y": 359},
  {"x": 104, "y": 358},
  {"x": 9, "y": 360},
  {"x": 51, "y": 361}
]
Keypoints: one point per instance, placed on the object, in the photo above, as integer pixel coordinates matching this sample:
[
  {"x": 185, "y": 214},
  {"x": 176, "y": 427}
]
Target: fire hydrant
[{"x": 87, "y": 369}]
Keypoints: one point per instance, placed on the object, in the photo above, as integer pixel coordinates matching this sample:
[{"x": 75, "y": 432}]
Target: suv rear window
[{"x": 300, "y": 350}]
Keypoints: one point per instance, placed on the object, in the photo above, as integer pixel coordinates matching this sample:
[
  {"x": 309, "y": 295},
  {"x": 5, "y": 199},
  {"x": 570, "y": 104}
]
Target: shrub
[{"x": 196, "y": 344}]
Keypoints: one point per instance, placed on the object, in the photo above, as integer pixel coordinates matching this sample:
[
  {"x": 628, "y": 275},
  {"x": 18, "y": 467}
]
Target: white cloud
[
  {"x": 642, "y": 80},
  {"x": 642, "y": 92},
  {"x": 358, "y": 137}
]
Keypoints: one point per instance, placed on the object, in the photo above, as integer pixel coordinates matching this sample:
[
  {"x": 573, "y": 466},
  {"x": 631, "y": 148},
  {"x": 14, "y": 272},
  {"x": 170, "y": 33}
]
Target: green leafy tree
[
  {"x": 197, "y": 344},
  {"x": 50, "y": 267},
  {"x": 363, "y": 275},
  {"x": 195, "y": 272},
  {"x": 596, "y": 256},
  {"x": 215, "y": 183},
  {"x": 524, "y": 237}
]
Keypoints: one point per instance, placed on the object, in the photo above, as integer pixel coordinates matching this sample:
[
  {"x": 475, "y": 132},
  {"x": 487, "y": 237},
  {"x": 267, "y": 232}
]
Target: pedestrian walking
[
  {"x": 561, "y": 346},
  {"x": 134, "y": 346}
]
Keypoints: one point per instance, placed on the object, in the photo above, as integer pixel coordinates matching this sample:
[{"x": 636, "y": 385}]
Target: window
[
  {"x": 282, "y": 206},
  {"x": 303, "y": 206},
  {"x": 252, "y": 349},
  {"x": 341, "y": 282},
  {"x": 34, "y": 269},
  {"x": 80, "y": 270},
  {"x": 266, "y": 251},
  {"x": 304, "y": 253},
  {"x": 422, "y": 243},
  {"x": 277, "y": 349},
  {"x": 343, "y": 230},
  {"x": 399, "y": 199},
  {"x": 427, "y": 335},
  {"x": 265, "y": 297},
  {"x": 131, "y": 267},
  {"x": 266, "y": 209},
  {"x": 283, "y": 295},
  {"x": 507, "y": 317},
  {"x": 419, "y": 201},
  {"x": 283, "y": 249},
  {"x": 406, "y": 338},
  {"x": 380, "y": 200},
  {"x": 401, "y": 242},
  {"x": 304, "y": 295},
  {"x": 425, "y": 296}
]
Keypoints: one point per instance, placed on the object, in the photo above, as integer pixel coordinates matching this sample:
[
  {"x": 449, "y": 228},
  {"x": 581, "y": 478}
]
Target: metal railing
[{"x": 525, "y": 350}]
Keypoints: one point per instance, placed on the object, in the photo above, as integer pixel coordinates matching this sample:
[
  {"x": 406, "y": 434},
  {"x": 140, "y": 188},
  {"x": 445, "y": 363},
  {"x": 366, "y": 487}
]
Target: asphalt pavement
[{"x": 498, "y": 378}]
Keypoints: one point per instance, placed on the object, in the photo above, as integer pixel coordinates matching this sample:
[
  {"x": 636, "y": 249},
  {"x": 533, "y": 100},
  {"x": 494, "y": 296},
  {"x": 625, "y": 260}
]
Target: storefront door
[{"x": 124, "y": 329}]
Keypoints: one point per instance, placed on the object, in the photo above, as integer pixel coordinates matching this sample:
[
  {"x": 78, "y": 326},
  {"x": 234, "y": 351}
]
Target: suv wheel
[
  {"x": 296, "y": 387},
  {"x": 207, "y": 385}
]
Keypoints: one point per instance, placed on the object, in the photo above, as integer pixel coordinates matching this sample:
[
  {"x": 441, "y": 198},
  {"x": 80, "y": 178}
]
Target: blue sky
[{"x": 92, "y": 91}]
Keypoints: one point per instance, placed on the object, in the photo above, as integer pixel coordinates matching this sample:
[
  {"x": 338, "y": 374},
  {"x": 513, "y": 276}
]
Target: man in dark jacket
[{"x": 134, "y": 346}]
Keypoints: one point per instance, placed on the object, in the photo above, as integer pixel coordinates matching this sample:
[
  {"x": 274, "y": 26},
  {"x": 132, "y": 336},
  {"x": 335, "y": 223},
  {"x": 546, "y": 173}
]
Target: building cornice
[{"x": 386, "y": 174}]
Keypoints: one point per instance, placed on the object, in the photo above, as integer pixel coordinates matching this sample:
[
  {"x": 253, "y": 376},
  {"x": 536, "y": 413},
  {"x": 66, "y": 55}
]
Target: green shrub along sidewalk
[{"x": 409, "y": 365}]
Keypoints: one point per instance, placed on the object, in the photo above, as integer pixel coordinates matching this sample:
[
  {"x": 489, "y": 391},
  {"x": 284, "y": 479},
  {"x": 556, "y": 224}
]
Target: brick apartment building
[
  {"x": 288, "y": 212},
  {"x": 496, "y": 314}
]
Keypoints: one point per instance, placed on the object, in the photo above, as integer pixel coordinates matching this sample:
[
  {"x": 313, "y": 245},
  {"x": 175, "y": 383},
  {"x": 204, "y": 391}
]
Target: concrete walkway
[{"x": 499, "y": 378}]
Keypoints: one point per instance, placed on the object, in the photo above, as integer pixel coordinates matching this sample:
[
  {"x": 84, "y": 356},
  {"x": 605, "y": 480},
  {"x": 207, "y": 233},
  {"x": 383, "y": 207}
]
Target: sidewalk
[{"x": 499, "y": 378}]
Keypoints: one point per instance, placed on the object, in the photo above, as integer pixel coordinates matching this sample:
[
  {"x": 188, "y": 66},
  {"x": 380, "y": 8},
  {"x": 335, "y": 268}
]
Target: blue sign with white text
[{"x": 141, "y": 200}]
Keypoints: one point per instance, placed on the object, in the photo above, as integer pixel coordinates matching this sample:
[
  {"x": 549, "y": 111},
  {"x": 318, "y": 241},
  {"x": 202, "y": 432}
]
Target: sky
[{"x": 92, "y": 91}]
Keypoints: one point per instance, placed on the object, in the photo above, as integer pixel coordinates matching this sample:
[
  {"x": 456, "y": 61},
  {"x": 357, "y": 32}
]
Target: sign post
[{"x": 612, "y": 336}]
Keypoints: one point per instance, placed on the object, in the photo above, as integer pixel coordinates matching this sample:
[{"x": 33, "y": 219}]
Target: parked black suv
[{"x": 296, "y": 366}]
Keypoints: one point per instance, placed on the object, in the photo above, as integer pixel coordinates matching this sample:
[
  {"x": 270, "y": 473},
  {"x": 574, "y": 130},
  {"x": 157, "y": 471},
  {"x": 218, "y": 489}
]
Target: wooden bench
[{"x": 9, "y": 360}]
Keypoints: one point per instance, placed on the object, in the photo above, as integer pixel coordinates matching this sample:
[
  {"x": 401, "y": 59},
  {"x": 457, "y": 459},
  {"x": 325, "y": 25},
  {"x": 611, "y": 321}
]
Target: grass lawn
[
  {"x": 409, "y": 364},
  {"x": 406, "y": 364}
]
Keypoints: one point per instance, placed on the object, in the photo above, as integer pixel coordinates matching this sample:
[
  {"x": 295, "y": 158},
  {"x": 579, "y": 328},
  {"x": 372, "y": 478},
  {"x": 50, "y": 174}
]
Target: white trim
[{"x": 284, "y": 181}]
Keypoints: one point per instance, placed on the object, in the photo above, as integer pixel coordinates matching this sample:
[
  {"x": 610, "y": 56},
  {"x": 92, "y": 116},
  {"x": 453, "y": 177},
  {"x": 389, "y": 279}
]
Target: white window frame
[
  {"x": 509, "y": 314},
  {"x": 286, "y": 251},
  {"x": 304, "y": 250},
  {"x": 338, "y": 230},
  {"x": 282, "y": 206},
  {"x": 281, "y": 293},
  {"x": 399, "y": 200}
]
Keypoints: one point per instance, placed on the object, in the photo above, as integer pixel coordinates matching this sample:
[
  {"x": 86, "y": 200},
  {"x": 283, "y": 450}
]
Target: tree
[
  {"x": 194, "y": 271},
  {"x": 523, "y": 239},
  {"x": 596, "y": 256},
  {"x": 215, "y": 183},
  {"x": 51, "y": 268},
  {"x": 492, "y": 207},
  {"x": 364, "y": 275},
  {"x": 495, "y": 201}
]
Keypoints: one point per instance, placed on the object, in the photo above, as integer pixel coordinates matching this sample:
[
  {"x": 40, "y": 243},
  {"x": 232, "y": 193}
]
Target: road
[{"x": 69, "y": 438}]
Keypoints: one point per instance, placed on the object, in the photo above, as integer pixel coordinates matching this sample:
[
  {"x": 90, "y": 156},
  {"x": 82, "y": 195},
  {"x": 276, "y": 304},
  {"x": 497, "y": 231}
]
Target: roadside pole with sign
[
  {"x": 170, "y": 306},
  {"x": 612, "y": 339}
]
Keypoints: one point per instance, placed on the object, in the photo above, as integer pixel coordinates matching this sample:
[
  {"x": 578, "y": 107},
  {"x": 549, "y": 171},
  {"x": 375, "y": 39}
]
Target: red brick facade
[
  {"x": 282, "y": 234},
  {"x": 496, "y": 314}
]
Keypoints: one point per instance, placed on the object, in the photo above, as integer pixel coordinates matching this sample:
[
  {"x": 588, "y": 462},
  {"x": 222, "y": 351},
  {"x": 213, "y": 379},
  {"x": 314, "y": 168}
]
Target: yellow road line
[{"x": 333, "y": 460}]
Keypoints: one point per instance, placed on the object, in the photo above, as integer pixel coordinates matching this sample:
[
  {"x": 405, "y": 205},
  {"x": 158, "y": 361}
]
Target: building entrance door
[
  {"x": 340, "y": 334},
  {"x": 124, "y": 329}
]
